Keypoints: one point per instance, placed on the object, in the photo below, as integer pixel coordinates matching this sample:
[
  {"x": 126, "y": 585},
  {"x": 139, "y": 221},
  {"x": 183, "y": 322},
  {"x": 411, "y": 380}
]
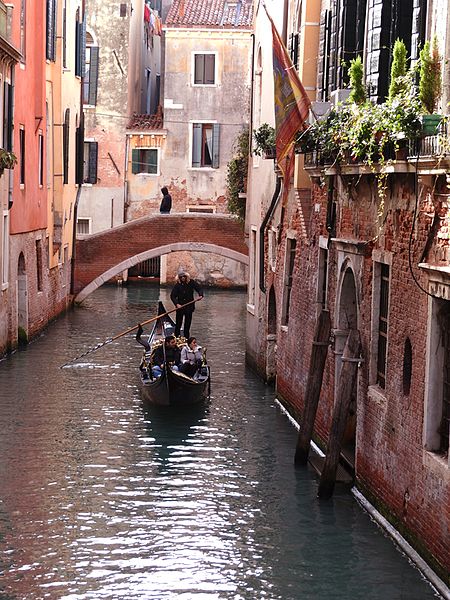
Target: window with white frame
[
  {"x": 144, "y": 160},
  {"x": 291, "y": 246},
  {"x": 252, "y": 271},
  {"x": 5, "y": 249},
  {"x": 90, "y": 160},
  {"x": 273, "y": 248},
  {"x": 380, "y": 320},
  {"x": 204, "y": 68},
  {"x": 437, "y": 403},
  {"x": 83, "y": 225},
  {"x": 205, "y": 145}
]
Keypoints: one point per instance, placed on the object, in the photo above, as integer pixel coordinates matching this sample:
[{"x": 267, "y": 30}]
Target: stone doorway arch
[
  {"x": 22, "y": 302},
  {"x": 271, "y": 341},
  {"x": 346, "y": 319}
]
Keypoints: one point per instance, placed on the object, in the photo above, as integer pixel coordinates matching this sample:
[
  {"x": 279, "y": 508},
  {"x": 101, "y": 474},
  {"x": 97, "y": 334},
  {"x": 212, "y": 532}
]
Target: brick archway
[{"x": 101, "y": 256}]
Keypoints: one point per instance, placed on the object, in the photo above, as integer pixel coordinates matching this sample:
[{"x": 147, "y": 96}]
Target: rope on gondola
[{"x": 129, "y": 330}]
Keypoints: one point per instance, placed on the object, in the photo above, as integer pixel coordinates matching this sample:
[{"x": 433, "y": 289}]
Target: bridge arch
[{"x": 101, "y": 256}]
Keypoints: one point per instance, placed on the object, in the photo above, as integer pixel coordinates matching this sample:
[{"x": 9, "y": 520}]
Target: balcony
[{"x": 3, "y": 21}]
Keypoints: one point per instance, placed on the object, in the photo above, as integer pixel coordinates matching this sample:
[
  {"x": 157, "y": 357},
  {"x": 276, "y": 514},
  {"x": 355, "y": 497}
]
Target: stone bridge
[{"x": 101, "y": 256}]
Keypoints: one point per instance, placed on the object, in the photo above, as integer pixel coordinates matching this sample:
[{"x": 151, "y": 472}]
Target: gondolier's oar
[{"x": 129, "y": 330}]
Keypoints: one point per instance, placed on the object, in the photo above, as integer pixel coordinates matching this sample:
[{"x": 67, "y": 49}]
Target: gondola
[{"x": 171, "y": 387}]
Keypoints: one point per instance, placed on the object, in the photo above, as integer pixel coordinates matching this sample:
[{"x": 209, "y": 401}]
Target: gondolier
[{"x": 183, "y": 292}]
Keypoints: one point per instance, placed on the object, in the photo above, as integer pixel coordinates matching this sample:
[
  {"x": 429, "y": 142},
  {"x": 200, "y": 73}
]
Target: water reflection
[{"x": 102, "y": 497}]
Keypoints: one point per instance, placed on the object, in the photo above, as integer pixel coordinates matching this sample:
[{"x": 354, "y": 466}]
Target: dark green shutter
[
  {"x": 216, "y": 146},
  {"x": 7, "y": 116},
  {"x": 80, "y": 151},
  {"x": 51, "y": 30},
  {"x": 152, "y": 161},
  {"x": 93, "y": 76},
  {"x": 135, "y": 161},
  {"x": 66, "y": 137},
  {"x": 83, "y": 48},
  {"x": 93, "y": 158}
]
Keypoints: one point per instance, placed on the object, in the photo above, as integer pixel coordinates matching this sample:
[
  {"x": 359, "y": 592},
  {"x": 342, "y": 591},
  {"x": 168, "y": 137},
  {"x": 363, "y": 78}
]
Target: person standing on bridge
[
  {"x": 183, "y": 292},
  {"x": 166, "y": 202}
]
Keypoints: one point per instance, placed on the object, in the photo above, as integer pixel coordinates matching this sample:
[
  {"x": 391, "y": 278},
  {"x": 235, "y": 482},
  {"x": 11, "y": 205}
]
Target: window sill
[
  {"x": 204, "y": 85},
  {"x": 251, "y": 309},
  {"x": 284, "y": 328},
  {"x": 375, "y": 393},
  {"x": 438, "y": 464},
  {"x": 5, "y": 286},
  {"x": 207, "y": 169},
  {"x": 22, "y": 186},
  {"x": 87, "y": 184},
  {"x": 147, "y": 174}
]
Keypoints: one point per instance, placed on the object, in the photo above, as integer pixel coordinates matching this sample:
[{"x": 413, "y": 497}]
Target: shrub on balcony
[
  {"x": 265, "y": 141},
  {"x": 8, "y": 160},
  {"x": 430, "y": 78}
]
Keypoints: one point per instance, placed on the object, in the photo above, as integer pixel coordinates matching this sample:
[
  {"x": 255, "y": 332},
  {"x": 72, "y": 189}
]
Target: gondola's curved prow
[{"x": 171, "y": 387}]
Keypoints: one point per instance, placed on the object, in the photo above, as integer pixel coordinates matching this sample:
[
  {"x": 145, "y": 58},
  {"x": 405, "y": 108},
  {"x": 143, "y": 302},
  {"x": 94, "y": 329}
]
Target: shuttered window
[
  {"x": 323, "y": 67},
  {"x": 204, "y": 69},
  {"x": 291, "y": 246},
  {"x": 80, "y": 47},
  {"x": 294, "y": 40},
  {"x": 419, "y": 15},
  {"x": 144, "y": 160},
  {"x": 7, "y": 116},
  {"x": 205, "y": 145},
  {"x": 90, "y": 162},
  {"x": 90, "y": 81},
  {"x": 66, "y": 138},
  {"x": 51, "y": 30}
]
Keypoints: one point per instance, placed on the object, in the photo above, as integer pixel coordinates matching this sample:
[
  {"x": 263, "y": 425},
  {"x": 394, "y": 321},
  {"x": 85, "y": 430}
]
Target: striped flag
[{"x": 291, "y": 103}]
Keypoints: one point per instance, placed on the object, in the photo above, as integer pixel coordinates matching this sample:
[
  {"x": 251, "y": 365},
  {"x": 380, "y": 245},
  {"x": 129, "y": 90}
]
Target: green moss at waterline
[{"x": 22, "y": 337}]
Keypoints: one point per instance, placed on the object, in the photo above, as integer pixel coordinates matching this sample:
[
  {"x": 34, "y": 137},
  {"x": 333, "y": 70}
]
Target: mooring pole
[
  {"x": 347, "y": 380},
  {"x": 313, "y": 386}
]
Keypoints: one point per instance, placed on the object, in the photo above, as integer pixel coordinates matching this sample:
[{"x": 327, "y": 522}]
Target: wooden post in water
[
  {"x": 313, "y": 386},
  {"x": 347, "y": 380}
]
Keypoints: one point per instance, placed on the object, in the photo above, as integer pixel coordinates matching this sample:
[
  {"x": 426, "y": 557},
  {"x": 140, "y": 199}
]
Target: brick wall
[{"x": 407, "y": 483}]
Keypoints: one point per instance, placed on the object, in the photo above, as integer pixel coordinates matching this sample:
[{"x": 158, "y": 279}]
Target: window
[
  {"x": 437, "y": 401},
  {"x": 291, "y": 245},
  {"x": 23, "y": 24},
  {"x": 90, "y": 76},
  {"x": 294, "y": 40},
  {"x": 84, "y": 226},
  {"x": 252, "y": 273},
  {"x": 22, "y": 154},
  {"x": 7, "y": 116},
  {"x": 90, "y": 162},
  {"x": 383, "y": 325},
  {"x": 50, "y": 51},
  {"x": 64, "y": 35},
  {"x": 5, "y": 255},
  {"x": 273, "y": 248},
  {"x": 66, "y": 139},
  {"x": 144, "y": 160},
  {"x": 205, "y": 145},
  {"x": 39, "y": 265},
  {"x": 81, "y": 44},
  {"x": 201, "y": 209},
  {"x": 322, "y": 287},
  {"x": 41, "y": 159},
  {"x": 204, "y": 69}
]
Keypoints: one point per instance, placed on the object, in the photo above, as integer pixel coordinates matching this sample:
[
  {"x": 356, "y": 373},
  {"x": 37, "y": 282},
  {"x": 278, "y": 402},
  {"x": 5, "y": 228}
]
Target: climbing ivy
[{"x": 237, "y": 170}]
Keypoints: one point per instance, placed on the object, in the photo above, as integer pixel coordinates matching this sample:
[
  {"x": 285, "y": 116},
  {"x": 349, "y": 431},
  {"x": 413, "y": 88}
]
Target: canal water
[{"x": 103, "y": 499}]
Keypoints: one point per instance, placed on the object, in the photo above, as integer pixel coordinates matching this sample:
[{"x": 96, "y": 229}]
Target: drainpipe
[
  {"x": 285, "y": 21},
  {"x": 262, "y": 232},
  {"x": 79, "y": 174}
]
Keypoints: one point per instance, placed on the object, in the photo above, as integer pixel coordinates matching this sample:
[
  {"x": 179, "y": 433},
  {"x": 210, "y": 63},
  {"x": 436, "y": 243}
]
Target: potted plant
[
  {"x": 399, "y": 82},
  {"x": 265, "y": 141},
  {"x": 356, "y": 74},
  {"x": 430, "y": 86},
  {"x": 7, "y": 160}
]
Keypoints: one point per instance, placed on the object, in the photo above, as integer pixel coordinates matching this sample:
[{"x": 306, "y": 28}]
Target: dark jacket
[
  {"x": 184, "y": 292},
  {"x": 166, "y": 204},
  {"x": 173, "y": 355}
]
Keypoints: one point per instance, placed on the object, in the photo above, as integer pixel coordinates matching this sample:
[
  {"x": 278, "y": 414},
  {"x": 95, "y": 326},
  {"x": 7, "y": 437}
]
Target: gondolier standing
[{"x": 183, "y": 292}]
